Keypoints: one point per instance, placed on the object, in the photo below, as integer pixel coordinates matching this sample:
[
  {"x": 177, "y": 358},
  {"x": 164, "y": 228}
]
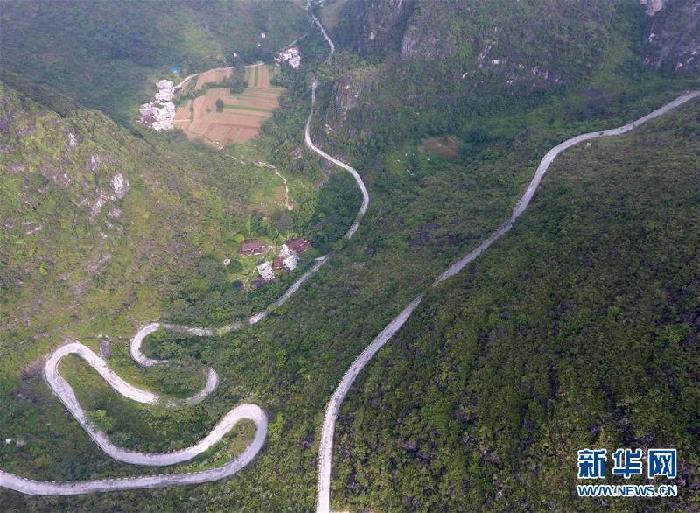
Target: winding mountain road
[
  {"x": 243, "y": 411},
  {"x": 325, "y": 456},
  {"x": 549, "y": 157},
  {"x": 62, "y": 389},
  {"x": 251, "y": 411},
  {"x": 358, "y": 179}
]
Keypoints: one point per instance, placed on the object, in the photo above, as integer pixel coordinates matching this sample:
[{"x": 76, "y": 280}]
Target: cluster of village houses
[
  {"x": 159, "y": 113},
  {"x": 291, "y": 56},
  {"x": 286, "y": 260}
]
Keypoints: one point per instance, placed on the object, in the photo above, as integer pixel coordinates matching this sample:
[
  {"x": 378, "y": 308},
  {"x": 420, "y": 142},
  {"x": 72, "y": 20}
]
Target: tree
[{"x": 237, "y": 83}]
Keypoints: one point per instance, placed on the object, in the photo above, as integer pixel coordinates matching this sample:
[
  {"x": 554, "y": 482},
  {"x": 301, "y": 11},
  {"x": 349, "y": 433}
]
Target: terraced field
[{"x": 243, "y": 114}]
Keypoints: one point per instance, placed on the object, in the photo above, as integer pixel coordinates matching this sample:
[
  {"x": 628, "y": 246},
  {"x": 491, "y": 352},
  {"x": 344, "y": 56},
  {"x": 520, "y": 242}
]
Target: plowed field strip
[{"x": 245, "y": 107}]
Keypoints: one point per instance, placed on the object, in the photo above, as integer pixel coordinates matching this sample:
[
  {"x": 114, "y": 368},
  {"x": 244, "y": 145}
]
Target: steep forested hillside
[
  {"x": 433, "y": 66},
  {"x": 578, "y": 329},
  {"x": 99, "y": 228},
  {"x": 478, "y": 404}
]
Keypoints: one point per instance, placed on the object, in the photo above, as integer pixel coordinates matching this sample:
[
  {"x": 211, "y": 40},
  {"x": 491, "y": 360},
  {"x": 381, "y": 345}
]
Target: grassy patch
[{"x": 246, "y": 107}]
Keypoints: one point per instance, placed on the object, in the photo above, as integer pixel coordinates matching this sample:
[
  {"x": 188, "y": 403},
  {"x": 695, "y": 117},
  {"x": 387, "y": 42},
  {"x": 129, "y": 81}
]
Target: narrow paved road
[
  {"x": 251, "y": 411},
  {"x": 318, "y": 23},
  {"x": 66, "y": 395},
  {"x": 325, "y": 456},
  {"x": 542, "y": 169},
  {"x": 243, "y": 411},
  {"x": 339, "y": 163}
]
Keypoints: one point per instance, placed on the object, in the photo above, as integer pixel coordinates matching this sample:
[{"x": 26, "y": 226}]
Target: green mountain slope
[
  {"x": 444, "y": 159},
  {"x": 99, "y": 228},
  {"x": 578, "y": 329},
  {"x": 433, "y": 66},
  {"x": 108, "y": 55}
]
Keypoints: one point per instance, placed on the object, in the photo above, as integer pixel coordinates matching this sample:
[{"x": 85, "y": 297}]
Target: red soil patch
[
  {"x": 263, "y": 77},
  {"x": 217, "y": 132},
  {"x": 200, "y": 120},
  {"x": 184, "y": 113}
]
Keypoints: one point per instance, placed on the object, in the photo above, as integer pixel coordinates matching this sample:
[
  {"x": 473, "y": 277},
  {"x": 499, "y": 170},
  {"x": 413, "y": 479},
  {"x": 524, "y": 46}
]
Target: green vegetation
[
  {"x": 445, "y": 87},
  {"x": 244, "y": 107},
  {"x": 183, "y": 97},
  {"x": 290, "y": 363},
  {"x": 108, "y": 55},
  {"x": 575, "y": 330},
  {"x": 237, "y": 83},
  {"x": 473, "y": 384},
  {"x": 80, "y": 255}
]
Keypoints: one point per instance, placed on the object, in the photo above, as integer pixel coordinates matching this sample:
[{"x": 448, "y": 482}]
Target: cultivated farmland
[{"x": 242, "y": 114}]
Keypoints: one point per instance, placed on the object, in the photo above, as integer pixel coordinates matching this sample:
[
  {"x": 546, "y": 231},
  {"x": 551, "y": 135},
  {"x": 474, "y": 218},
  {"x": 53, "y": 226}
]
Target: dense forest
[{"x": 576, "y": 329}]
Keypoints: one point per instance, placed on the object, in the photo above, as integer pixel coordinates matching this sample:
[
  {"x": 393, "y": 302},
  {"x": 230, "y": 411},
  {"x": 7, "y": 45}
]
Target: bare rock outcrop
[
  {"x": 346, "y": 97},
  {"x": 673, "y": 37},
  {"x": 381, "y": 24}
]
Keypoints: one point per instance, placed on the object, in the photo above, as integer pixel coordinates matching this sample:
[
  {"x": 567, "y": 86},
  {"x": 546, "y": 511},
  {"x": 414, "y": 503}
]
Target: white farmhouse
[
  {"x": 285, "y": 251},
  {"x": 291, "y": 262},
  {"x": 290, "y": 56},
  {"x": 166, "y": 91},
  {"x": 265, "y": 271}
]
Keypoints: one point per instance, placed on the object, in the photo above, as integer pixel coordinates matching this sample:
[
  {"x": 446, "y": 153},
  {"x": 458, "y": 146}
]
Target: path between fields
[
  {"x": 190, "y": 77},
  {"x": 287, "y": 203},
  {"x": 325, "y": 451},
  {"x": 260, "y": 163}
]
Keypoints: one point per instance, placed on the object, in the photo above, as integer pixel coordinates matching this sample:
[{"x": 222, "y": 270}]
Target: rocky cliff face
[
  {"x": 514, "y": 41},
  {"x": 55, "y": 159},
  {"x": 346, "y": 94},
  {"x": 380, "y": 24},
  {"x": 673, "y": 36},
  {"x": 436, "y": 54},
  {"x": 517, "y": 41},
  {"x": 346, "y": 111},
  {"x": 425, "y": 37}
]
